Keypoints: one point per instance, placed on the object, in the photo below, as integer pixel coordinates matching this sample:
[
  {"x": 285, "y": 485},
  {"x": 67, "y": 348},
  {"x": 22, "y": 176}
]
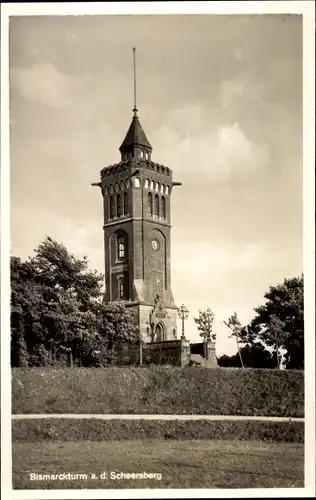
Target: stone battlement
[{"x": 126, "y": 165}]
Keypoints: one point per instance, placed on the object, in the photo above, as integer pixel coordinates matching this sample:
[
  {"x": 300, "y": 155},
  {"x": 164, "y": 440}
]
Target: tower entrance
[{"x": 159, "y": 333}]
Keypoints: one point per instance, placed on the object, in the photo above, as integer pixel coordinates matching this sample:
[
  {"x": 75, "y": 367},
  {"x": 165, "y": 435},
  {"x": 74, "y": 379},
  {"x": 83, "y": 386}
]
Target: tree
[
  {"x": 279, "y": 323},
  {"x": 57, "y": 311},
  {"x": 204, "y": 323},
  {"x": 237, "y": 331},
  {"x": 253, "y": 356},
  {"x": 70, "y": 291},
  {"x": 26, "y": 306},
  {"x": 115, "y": 327}
]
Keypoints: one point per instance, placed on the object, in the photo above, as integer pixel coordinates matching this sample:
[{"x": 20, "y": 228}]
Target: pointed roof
[{"x": 135, "y": 135}]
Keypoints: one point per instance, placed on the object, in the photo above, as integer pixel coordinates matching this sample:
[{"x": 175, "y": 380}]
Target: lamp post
[{"x": 183, "y": 313}]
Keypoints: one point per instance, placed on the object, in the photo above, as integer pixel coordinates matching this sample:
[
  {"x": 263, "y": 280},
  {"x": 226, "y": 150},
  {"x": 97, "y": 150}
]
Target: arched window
[
  {"x": 152, "y": 185},
  {"x": 162, "y": 188},
  {"x": 167, "y": 189},
  {"x": 120, "y": 287},
  {"x": 157, "y": 187},
  {"x": 125, "y": 204},
  {"x": 156, "y": 205},
  {"x": 150, "y": 205},
  {"x": 111, "y": 210},
  {"x": 137, "y": 182},
  {"x": 142, "y": 154},
  {"x": 118, "y": 205},
  {"x": 163, "y": 207},
  {"x": 146, "y": 183},
  {"x": 120, "y": 248}
]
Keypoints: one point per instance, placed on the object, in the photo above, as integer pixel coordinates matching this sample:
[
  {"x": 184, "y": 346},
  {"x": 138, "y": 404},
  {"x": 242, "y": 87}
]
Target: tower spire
[
  {"x": 134, "y": 65},
  {"x": 135, "y": 144}
]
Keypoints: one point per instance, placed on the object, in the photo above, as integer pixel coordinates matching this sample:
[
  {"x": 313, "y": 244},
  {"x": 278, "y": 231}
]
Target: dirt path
[{"x": 155, "y": 417}]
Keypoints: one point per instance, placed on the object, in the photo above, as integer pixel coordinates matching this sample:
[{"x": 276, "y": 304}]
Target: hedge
[
  {"x": 158, "y": 390},
  {"x": 59, "y": 429}
]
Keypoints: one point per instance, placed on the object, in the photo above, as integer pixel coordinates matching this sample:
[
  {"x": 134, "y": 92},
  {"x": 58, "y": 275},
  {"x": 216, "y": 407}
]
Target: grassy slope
[
  {"x": 185, "y": 464},
  {"x": 158, "y": 390}
]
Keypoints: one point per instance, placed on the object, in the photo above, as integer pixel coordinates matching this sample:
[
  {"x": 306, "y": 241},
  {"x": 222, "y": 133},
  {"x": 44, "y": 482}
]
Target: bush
[
  {"x": 158, "y": 390},
  {"x": 106, "y": 430}
]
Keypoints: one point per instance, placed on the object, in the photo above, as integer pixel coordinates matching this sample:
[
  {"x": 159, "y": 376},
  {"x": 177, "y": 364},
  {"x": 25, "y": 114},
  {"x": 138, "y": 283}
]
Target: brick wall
[{"x": 173, "y": 352}]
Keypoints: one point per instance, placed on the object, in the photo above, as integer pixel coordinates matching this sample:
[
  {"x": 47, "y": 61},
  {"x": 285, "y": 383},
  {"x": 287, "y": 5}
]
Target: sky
[{"x": 220, "y": 100}]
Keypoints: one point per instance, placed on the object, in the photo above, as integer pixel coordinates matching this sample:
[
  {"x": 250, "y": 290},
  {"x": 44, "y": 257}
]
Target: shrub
[
  {"x": 158, "y": 390},
  {"x": 106, "y": 430}
]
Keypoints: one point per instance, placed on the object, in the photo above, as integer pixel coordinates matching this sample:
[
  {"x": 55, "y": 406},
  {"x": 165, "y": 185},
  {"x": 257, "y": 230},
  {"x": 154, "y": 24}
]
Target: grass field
[{"x": 182, "y": 464}]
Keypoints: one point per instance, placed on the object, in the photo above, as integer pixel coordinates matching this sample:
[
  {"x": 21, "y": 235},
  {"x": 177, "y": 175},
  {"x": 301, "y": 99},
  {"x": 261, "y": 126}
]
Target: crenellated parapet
[{"x": 127, "y": 166}]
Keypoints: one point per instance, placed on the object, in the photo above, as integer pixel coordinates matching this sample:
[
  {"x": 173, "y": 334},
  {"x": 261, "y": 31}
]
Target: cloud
[
  {"x": 190, "y": 142},
  {"x": 44, "y": 83},
  {"x": 220, "y": 277},
  {"x": 79, "y": 238},
  {"x": 195, "y": 260},
  {"x": 232, "y": 90}
]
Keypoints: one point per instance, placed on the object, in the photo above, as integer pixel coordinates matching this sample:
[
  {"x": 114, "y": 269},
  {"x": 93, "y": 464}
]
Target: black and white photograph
[{"x": 157, "y": 213}]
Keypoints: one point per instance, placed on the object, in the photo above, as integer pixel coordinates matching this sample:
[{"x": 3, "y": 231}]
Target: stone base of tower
[{"x": 155, "y": 325}]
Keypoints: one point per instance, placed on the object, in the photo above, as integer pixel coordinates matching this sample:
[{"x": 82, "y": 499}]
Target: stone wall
[
  {"x": 206, "y": 352},
  {"x": 172, "y": 352}
]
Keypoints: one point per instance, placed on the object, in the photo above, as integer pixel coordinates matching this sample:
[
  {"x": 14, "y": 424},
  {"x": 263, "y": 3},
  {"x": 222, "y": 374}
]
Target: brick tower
[{"x": 137, "y": 224}]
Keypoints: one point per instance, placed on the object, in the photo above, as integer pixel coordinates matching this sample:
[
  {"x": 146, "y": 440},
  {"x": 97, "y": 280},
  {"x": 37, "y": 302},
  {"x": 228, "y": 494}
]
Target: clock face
[{"x": 155, "y": 244}]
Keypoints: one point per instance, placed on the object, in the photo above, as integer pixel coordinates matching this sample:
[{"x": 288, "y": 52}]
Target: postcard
[{"x": 157, "y": 293}]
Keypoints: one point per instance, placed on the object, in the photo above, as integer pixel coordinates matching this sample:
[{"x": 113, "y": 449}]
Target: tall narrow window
[
  {"x": 111, "y": 202},
  {"x": 163, "y": 207},
  {"x": 150, "y": 205},
  {"x": 120, "y": 283},
  {"x": 125, "y": 204},
  {"x": 120, "y": 248},
  {"x": 156, "y": 205},
  {"x": 118, "y": 205}
]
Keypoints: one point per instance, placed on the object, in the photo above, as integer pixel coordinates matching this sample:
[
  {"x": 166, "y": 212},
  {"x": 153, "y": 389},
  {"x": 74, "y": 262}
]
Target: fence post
[{"x": 140, "y": 352}]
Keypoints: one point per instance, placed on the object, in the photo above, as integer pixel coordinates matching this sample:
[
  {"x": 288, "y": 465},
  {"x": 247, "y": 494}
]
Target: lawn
[{"x": 181, "y": 464}]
